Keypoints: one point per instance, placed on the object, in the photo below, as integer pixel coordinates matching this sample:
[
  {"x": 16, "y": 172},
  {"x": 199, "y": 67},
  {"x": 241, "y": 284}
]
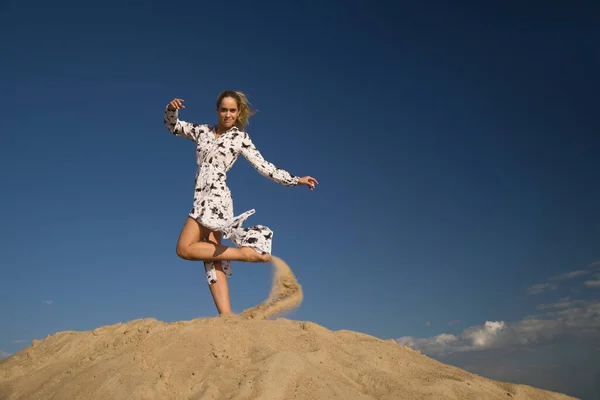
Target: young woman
[{"x": 211, "y": 218}]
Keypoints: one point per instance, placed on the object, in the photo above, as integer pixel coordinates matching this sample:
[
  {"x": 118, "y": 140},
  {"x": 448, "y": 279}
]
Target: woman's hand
[
  {"x": 308, "y": 181},
  {"x": 176, "y": 104}
]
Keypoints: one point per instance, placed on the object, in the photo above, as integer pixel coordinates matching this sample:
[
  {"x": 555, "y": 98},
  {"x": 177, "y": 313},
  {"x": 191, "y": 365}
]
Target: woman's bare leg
[
  {"x": 220, "y": 289},
  {"x": 189, "y": 247}
]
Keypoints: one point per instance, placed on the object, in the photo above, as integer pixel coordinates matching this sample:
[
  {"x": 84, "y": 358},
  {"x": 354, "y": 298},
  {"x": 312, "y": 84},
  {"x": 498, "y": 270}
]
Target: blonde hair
[{"x": 244, "y": 110}]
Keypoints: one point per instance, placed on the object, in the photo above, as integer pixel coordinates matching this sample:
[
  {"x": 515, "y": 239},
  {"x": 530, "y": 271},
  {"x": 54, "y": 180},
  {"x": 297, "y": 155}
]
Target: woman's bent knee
[{"x": 183, "y": 252}]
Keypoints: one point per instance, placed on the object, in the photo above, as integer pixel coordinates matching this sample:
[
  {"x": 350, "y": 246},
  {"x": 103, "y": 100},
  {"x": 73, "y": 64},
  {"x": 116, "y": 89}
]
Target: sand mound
[
  {"x": 236, "y": 358},
  {"x": 241, "y": 357}
]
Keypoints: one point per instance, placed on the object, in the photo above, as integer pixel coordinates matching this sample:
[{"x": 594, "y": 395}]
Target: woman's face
[{"x": 228, "y": 112}]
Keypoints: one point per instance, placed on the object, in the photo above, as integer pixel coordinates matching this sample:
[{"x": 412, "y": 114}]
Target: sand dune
[{"x": 241, "y": 357}]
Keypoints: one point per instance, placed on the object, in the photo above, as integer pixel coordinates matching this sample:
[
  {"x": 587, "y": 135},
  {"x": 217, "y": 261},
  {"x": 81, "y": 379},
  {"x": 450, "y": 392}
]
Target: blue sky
[{"x": 456, "y": 148}]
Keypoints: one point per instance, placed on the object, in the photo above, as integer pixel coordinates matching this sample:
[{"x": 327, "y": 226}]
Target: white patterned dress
[{"x": 213, "y": 206}]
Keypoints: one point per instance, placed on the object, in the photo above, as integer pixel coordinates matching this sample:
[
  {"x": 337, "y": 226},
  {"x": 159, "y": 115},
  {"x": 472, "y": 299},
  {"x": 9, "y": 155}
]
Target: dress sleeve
[
  {"x": 265, "y": 168},
  {"x": 181, "y": 128}
]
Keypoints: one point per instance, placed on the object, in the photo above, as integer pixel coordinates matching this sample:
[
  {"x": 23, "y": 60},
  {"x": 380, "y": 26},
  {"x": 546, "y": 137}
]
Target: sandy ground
[{"x": 248, "y": 356}]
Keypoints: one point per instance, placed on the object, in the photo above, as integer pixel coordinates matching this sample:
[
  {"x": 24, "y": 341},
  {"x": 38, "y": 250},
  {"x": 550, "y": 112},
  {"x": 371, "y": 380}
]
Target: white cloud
[
  {"x": 592, "y": 283},
  {"x": 578, "y": 319},
  {"x": 4, "y": 354},
  {"x": 570, "y": 275},
  {"x": 17, "y": 341},
  {"x": 541, "y": 287},
  {"x": 565, "y": 302},
  {"x": 47, "y": 302},
  {"x": 483, "y": 337},
  {"x": 428, "y": 323}
]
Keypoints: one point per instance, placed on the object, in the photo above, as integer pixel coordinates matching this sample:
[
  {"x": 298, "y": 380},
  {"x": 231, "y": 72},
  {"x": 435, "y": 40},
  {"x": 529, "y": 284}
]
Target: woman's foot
[{"x": 251, "y": 255}]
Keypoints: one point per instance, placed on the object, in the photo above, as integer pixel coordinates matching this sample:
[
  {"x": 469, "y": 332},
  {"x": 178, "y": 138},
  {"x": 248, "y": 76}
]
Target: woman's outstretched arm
[
  {"x": 178, "y": 127},
  {"x": 270, "y": 171}
]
